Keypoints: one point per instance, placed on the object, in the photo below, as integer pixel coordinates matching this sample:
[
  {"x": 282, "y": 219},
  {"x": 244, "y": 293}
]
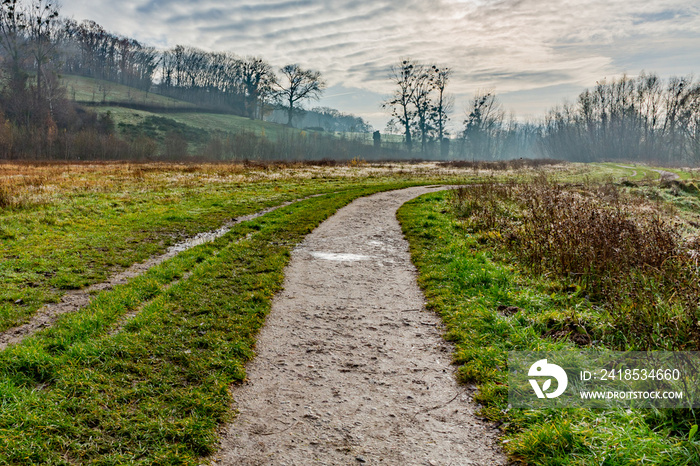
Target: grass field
[
  {"x": 67, "y": 226},
  {"x": 97, "y": 91},
  {"x": 209, "y": 122},
  {"x": 101, "y": 93},
  {"x": 156, "y": 391},
  {"x": 98, "y": 388}
]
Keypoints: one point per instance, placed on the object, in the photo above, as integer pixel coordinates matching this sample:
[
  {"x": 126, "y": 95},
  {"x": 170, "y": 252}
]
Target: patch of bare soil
[
  {"x": 350, "y": 367},
  {"x": 75, "y": 300}
]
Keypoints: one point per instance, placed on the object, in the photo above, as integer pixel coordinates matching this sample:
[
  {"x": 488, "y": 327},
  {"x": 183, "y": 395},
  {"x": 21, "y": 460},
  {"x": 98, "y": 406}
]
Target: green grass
[
  {"x": 619, "y": 171},
  {"x": 104, "y": 221},
  {"x": 156, "y": 392},
  {"x": 209, "y": 122},
  {"x": 643, "y": 172},
  {"x": 102, "y": 93},
  {"x": 160, "y": 128},
  {"x": 52, "y": 248},
  {"x": 465, "y": 280},
  {"x": 233, "y": 124},
  {"x": 89, "y": 90}
]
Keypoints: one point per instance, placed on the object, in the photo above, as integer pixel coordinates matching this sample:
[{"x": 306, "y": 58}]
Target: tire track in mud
[
  {"x": 350, "y": 367},
  {"x": 73, "y": 301}
]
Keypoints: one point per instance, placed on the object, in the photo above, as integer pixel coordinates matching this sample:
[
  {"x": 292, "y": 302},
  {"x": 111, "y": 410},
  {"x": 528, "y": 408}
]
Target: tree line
[
  {"x": 37, "y": 46},
  {"x": 246, "y": 86},
  {"x": 644, "y": 118}
]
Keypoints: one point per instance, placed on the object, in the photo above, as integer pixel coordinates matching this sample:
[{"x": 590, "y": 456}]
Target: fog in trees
[{"x": 642, "y": 118}]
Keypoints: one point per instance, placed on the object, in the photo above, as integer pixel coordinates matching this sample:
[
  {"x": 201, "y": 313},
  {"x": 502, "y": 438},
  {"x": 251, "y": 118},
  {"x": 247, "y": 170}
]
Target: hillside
[
  {"x": 131, "y": 108},
  {"x": 98, "y": 92}
]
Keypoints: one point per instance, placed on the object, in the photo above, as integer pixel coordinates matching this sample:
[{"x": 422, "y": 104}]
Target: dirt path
[
  {"x": 350, "y": 368},
  {"x": 73, "y": 301}
]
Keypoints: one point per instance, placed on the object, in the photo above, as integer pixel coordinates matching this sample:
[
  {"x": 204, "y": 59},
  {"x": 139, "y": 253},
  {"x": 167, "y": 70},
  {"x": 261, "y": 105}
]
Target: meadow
[
  {"x": 131, "y": 110},
  {"x": 120, "y": 381},
  {"x": 141, "y": 375}
]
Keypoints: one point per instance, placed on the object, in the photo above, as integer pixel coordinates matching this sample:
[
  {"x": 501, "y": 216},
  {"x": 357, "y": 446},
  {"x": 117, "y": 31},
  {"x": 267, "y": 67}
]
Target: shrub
[{"x": 617, "y": 249}]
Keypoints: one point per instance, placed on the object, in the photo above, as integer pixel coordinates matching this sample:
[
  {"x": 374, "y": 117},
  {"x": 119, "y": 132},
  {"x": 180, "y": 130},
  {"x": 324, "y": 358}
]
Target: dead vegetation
[
  {"x": 24, "y": 184},
  {"x": 503, "y": 165},
  {"x": 624, "y": 253}
]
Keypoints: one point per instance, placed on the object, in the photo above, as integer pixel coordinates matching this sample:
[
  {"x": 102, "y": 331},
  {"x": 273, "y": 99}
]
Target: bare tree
[
  {"x": 628, "y": 118},
  {"x": 682, "y": 105},
  {"x": 13, "y": 24},
  {"x": 423, "y": 87},
  {"x": 482, "y": 126},
  {"x": 443, "y": 105},
  {"x": 42, "y": 18},
  {"x": 404, "y": 76},
  {"x": 298, "y": 84}
]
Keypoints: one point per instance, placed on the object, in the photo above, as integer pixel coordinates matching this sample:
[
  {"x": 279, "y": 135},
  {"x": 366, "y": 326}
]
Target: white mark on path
[{"x": 331, "y": 256}]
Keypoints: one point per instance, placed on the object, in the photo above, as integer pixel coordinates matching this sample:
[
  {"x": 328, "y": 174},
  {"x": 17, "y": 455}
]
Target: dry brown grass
[
  {"x": 35, "y": 183},
  {"x": 624, "y": 252},
  {"x": 503, "y": 165}
]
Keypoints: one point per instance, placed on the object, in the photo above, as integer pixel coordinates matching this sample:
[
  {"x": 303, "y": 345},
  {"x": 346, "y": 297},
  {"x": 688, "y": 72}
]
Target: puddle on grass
[
  {"x": 202, "y": 238},
  {"x": 73, "y": 301},
  {"x": 330, "y": 256}
]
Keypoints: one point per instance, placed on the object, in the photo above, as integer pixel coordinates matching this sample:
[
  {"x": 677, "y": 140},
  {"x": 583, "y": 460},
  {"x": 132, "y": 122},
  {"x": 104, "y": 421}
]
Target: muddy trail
[
  {"x": 73, "y": 301},
  {"x": 350, "y": 367}
]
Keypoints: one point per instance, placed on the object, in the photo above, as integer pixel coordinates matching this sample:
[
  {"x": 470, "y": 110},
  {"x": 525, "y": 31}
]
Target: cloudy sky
[{"x": 533, "y": 53}]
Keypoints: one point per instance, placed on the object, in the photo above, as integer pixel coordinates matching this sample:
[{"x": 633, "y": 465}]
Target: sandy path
[{"x": 350, "y": 368}]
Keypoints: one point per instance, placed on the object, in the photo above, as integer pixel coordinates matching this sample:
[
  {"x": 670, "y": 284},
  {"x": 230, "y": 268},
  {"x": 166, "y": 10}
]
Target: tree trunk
[{"x": 290, "y": 112}]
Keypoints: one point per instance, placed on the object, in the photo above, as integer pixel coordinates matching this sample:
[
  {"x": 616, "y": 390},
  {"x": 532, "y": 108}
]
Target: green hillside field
[{"x": 114, "y": 98}]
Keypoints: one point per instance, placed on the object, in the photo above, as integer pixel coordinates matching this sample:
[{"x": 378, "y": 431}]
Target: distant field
[
  {"x": 103, "y": 93},
  {"x": 209, "y": 122},
  {"x": 82, "y": 89}
]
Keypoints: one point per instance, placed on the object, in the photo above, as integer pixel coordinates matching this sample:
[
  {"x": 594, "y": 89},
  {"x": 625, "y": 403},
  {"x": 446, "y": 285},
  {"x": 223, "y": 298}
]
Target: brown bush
[
  {"x": 619, "y": 250},
  {"x": 502, "y": 165}
]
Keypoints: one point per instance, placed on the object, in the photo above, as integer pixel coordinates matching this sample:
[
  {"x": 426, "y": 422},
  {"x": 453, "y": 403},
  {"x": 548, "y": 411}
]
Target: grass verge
[{"x": 491, "y": 305}]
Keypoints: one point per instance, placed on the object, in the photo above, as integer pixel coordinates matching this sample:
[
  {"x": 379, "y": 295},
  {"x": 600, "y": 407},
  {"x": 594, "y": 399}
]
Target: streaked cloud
[{"x": 512, "y": 46}]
